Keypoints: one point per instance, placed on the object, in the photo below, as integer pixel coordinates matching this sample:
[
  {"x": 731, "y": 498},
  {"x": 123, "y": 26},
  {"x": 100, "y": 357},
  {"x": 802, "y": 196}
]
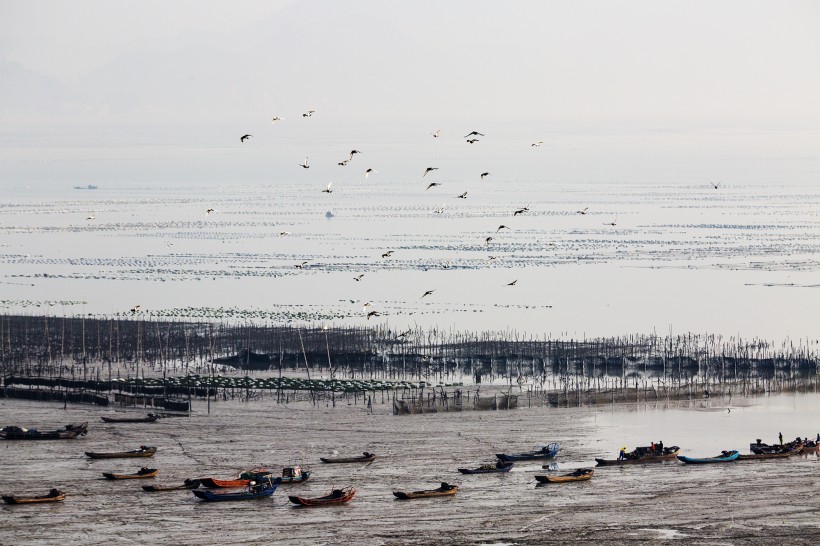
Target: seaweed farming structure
[{"x": 161, "y": 363}]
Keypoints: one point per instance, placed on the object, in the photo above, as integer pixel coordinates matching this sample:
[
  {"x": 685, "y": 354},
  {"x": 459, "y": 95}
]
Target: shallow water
[{"x": 713, "y": 503}]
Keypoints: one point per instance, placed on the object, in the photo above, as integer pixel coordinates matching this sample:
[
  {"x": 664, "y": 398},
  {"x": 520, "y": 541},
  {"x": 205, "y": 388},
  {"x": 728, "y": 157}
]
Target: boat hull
[
  {"x": 647, "y": 459},
  {"x": 71, "y": 431},
  {"x": 137, "y": 453},
  {"x": 732, "y": 456},
  {"x": 149, "y": 473},
  {"x": 261, "y": 493},
  {"x": 189, "y": 484},
  {"x": 17, "y": 499},
  {"x": 573, "y": 477},
  {"x": 333, "y": 499},
  {"x": 430, "y": 493},
  {"x": 498, "y": 469}
]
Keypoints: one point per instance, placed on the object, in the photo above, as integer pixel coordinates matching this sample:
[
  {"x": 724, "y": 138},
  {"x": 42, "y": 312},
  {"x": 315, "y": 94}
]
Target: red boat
[{"x": 242, "y": 480}]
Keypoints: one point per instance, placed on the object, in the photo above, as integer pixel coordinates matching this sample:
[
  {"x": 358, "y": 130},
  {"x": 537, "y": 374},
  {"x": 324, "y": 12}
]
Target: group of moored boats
[{"x": 258, "y": 483}]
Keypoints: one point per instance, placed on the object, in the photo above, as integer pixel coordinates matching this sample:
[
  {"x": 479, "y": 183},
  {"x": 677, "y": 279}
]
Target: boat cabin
[{"x": 292, "y": 472}]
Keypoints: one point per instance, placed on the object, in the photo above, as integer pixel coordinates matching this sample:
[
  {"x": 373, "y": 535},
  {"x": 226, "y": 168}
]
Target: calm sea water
[{"x": 682, "y": 256}]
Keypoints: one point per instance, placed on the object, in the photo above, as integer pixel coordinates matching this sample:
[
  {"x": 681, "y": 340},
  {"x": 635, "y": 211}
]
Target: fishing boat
[
  {"x": 773, "y": 452},
  {"x": 244, "y": 478},
  {"x": 363, "y": 458},
  {"x": 810, "y": 447},
  {"x": 19, "y": 433},
  {"x": 643, "y": 455},
  {"x": 541, "y": 452},
  {"x": 55, "y": 495},
  {"x": 187, "y": 484},
  {"x": 294, "y": 474},
  {"x": 580, "y": 475},
  {"x": 141, "y": 473},
  {"x": 488, "y": 468},
  {"x": 143, "y": 451},
  {"x": 254, "y": 491},
  {"x": 335, "y": 497},
  {"x": 724, "y": 457},
  {"x": 150, "y": 418},
  {"x": 444, "y": 490}
]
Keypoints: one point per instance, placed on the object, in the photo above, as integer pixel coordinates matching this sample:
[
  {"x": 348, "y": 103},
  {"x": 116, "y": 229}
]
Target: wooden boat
[
  {"x": 244, "y": 478},
  {"x": 643, "y": 455},
  {"x": 724, "y": 457},
  {"x": 141, "y": 473},
  {"x": 335, "y": 497},
  {"x": 187, "y": 484},
  {"x": 255, "y": 491},
  {"x": 772, "y": 453},
  {"x": 294, "y": 474},
  {"x": 363, "y": 458},
  {"x": 542, "y": 452},
  {"x": 810, "y": 447},
  {"x": 580, "y": 475},
  {"x": 444, "y": 490},
  {"x": 488, "y": 468},
  {"x": 150, "y": 418},
  {"x": 55, "y": 495},
  {"x": 143, "y": 451},
  {"x": 19, "y": 433}
]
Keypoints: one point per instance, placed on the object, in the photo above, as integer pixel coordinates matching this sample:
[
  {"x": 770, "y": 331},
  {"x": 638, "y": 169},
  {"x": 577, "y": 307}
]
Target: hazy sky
[{"x": 592, "y": 63}]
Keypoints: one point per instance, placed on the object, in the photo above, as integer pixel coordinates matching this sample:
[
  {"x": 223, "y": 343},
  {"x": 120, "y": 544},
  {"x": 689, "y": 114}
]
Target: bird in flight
[
  {"x": 522, "y": 210},
  {"x": 502, "y": 226},
  {"x": 404, "y": 334},
  {"x": 308, "y": 114},
  {"x": 472, "y": 140},
  {"x": 715, "y": 185},
  {"x": 512, "y": 283},
  {"x": 462, "y": 196},
  {"x": 358, "y": 277},
  {"x": 473, "y": 133},
  {"x": 284, "y": 233},
  {"x": 436, "y": 133},
  {"x": 431, "y": 185},
  {"x": 429, "y": 170},
  {"x": 305, "y": 165},
  {"x": 368, "y": 171},
  {"x": 135, "y": 309},
  {"x": 537, "y": 144},
  {"x": 490, "y": 258},
  {"x": 487, "y": 240},
  {"x": 388, "y": 254},
  {"x": 440, "y": 210},
  {"x": 209, "y": 211},
  {"x": 582, "y": 211},
  {"x": 302, "y": 265},
  {"x": 612, "y": 223},
  {"x": 484, "y": 175},
  {"x": 327, "y": 189},
  {"x": 243, "y": 138},
  {"x": 373, "y": 314},
  {"x": 274, "y": 119},
  {"x": 429, "y": 292},
  {"x": 91, "y": 217},
  {"x": 352, "y": 152},
  {"x": 343, "y": 163}
]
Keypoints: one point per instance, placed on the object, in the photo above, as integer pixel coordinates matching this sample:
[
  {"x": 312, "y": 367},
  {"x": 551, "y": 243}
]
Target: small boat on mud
[
  {"x": 541, "y": 452},
  {"x": 363, "y": 458},
  {"x": 335, "y": 497},
  {"x": 244, "y": 478},
  {"x": 724, "y": 457},
  {"x": 143, "y": 451},
  {"x": 580, "y": 475},
  {"x": 187, "y": 484},
  {"x": 19, "y": 433},
  {"x": 294, "y": 474},
  {"x": 150, "y": 418},
  {"x": 255, "y": 491},
  {"x": 140, "y": 474},
  {"x": 643, "y": 455},
  {"x": 488, "y": 468},
  {"x": 55, "y": 495},
  {"x": 444, "y": 490},
  {"x": 781, "y": 452}
]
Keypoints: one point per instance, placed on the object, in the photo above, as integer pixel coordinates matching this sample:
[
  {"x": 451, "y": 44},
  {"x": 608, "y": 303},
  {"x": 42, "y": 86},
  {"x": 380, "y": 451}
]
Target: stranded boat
[
  {"x": 488, "y": 468},
  {"x": 337, "y": 496},
  {"x": 187, "y": 484},
  {"x": 143, "y": 451},
  {"x": 363, "y": 458},
  {"x": 141, "y": 473},
  {"x": 150, "y": 418},
  {"x": 542, "y": 452},
  {"x": 254, "y": 491},
  {"x": 643, "y": 455},
  {"x": 580, "y": 475},
  {"x": 444, "y": 490},
  {"x": 724, "y": 457},
  {"x": 18, "y": 433},
  {"x": 55, "y": 495}
]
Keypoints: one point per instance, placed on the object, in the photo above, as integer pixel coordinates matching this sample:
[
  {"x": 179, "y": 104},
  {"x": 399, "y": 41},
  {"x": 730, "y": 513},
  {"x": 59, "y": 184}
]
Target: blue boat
[
  {"x": 724, "y": 457},
  {"x": 255, "y": 491},
  {"x": 542, "y": 452}
]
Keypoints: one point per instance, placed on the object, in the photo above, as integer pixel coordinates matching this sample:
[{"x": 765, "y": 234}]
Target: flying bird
[
  {"x": 428, "y": 170},
  {"x": 91, "y": 217},
  {"x": 462, "y": 196},
  {"x": 436, "y": 133},
  {"x": 502, "y": 226},
  {"x": 715, "y": 185},
  {"x": 388, "y": 254},
  {"x": 135, "y": 308},
  {"x": 537, "y": 144},
  {"x": 302, "y": 265},
  {"x": 404, "y": 334},
  {"x": 472, "y": 140},
  {"x": 439, "y": 210},
  {"x": 305, "y": 165},
  {"x": 373, "y": 314},
  {"x": 427, "y": 293},
  {"x": 284, "y": 233},
  {"x": 522, "y": 210},
  {"x": 490, "y": 258},
  {"x": 612, "y": 223},
  {"x": 484, "y": 175},
  {"x": 512, "y": 283},
  {"x": 353, "y": 152},
  {"x": 243, "y": 138},
  {"x": 327, "y": 189},
  {"x": 358, "y": 277},
  {"x": 274, "y": 119},
  {"x": 209, "y": 211},
  {"x": 473, "y": 133},
  {"x": 343, "y": 163},
  {"x": 368, "y": 171},
  {"x": 582, "y": 211},
  {"x": 487, "y": 240},
  {"x": 308, "y": 114},
  {"x": 431, "y": 185}
]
